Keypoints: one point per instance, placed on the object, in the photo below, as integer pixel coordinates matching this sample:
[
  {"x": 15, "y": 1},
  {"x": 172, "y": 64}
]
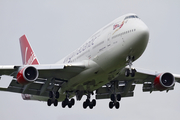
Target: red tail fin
[{"x": 28, "y": 56}]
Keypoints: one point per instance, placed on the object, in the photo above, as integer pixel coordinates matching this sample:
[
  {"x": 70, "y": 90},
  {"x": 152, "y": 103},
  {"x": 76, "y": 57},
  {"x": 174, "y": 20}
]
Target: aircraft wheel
[
  {"x": 117, "y": 105},
  {"x": 85, "y": 105},
  {"x": 111, "y": 104},
  {"x": 94, "y": 102},
  {"x": 49, "y": 102},
  {"x": 55, "y": 102},
  {"x": 87, "y": 101},
  {"x": 118, "y": 97},
  {"x": 63, "y": 104},
  {"x": 112, "y": 97},
  {"x": 72, "y": 101},
  {"x": 133, "y": 72},
  {"x": 127, "y": 72},
  {"x": 69, "y": 104},
  {"x": 91, "y": 105},
  {"x": 66, "y": 101}
]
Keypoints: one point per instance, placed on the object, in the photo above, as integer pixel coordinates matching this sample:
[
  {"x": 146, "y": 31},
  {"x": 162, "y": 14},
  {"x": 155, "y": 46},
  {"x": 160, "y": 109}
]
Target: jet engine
[
  {"x": 27, "y": 74},
  {"x": 164, "y": 81}
]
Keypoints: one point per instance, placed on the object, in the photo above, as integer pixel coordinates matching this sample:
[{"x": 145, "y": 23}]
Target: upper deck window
[{"x": 131, "y": 16}]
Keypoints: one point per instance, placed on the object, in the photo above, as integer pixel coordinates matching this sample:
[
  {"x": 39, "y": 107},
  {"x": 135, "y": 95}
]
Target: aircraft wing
[
  {"x": 35, "y": 78},
  {"x": 55, "y": 74},
  {"x": 7, "y": 69},
  {"x": 125, "y": 85}
]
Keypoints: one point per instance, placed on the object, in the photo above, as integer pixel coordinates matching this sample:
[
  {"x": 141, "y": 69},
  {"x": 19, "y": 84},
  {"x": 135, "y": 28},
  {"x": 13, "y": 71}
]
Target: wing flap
[
  {"x": 7, "y": 69},
  {"x": 5, "y": 81},
  {"x": 34, "y": 88}
]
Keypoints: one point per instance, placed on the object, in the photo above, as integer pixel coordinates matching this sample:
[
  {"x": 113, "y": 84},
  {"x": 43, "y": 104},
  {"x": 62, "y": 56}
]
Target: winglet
[{"x": 28, "y": 55}]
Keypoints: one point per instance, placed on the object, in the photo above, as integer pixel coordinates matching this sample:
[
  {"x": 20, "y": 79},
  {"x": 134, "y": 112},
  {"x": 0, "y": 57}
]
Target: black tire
[
  {"x": 117, "y": 105},
  {"x": 49, "y": 102},
  {"x": 133, "y": 72},
  {"x": 111, "y": 105},
  {"x": 63, "y": 104},
  {"x": 85, "y": 105},
  {"x": 72, "y": 101},
  {"x": 55, "y": 102},
  {"x": 118, "y": 97},
  {"x": 87, "y": 102},
  {"x": 91, "y": 105},
  {"x": 66, "y": 101},
  {"x": 94, "y": 102},
  {"x": 57, "y": 95},
  {"x": 69, "y": 104},
  {"x": 127, "y": 72},
  {"x": 50, "y": 94},
  {"x": 112, "y": 97}
]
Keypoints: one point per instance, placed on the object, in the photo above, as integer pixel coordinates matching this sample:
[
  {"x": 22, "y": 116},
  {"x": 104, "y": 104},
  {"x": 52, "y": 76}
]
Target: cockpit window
[{"x": 131, "y": 16}]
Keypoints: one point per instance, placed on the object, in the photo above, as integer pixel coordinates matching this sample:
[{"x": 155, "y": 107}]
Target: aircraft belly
[
  {"x": 113, "y": 58},
  {"x": 82, "y": 80}
]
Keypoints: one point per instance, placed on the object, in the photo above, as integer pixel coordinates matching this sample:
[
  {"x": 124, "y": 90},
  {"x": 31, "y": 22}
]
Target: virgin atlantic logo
[{"x": 116, "y": 27}]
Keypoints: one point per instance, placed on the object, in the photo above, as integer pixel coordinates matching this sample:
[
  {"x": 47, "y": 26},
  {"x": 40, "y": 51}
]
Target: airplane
[{"x": 101, "y": 66}]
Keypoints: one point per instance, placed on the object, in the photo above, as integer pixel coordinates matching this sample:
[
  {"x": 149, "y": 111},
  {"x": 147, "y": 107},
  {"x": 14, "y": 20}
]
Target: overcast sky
[{"x": 57, "y": 27}]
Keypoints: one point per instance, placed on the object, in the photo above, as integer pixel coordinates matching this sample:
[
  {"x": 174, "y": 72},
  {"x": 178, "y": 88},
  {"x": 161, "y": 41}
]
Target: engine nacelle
[
  {"x": 164, "y": 81},
  {"x": 27, "y": 74}
]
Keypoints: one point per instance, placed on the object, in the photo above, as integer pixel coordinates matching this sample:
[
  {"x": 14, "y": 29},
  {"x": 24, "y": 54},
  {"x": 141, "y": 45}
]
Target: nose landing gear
[{"x": 130, "y": 70}]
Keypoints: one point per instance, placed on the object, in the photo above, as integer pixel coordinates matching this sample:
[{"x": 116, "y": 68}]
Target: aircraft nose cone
[
  {"x": 143, "y": 33},
  {"x": 140, "y": 39}
]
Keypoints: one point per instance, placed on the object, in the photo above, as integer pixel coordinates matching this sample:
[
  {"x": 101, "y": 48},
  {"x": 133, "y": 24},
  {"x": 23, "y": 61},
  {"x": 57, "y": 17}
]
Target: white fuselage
[{"x": 105, "y": 52}]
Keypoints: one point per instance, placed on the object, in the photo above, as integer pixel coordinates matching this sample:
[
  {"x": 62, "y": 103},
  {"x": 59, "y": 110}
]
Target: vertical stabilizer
[{"x": 28, "y": 55}]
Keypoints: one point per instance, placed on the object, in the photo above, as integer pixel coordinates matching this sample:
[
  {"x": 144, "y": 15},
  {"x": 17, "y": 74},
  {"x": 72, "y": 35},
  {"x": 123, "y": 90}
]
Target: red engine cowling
[
  {"x": 164, "y": 81},
  {"x": 27, "y": 74}
]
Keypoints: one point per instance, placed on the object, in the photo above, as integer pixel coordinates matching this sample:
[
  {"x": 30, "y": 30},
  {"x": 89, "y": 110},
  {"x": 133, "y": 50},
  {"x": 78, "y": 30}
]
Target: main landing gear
[
  {"x": 89, "y": 103},
  {"x": 130, "y": 71},
  {"x": 115, "y": 101},
  {"x": 53, "y": 96},
  {"x": 115, "y": 97},
  {"x": 68, "y": 102}
]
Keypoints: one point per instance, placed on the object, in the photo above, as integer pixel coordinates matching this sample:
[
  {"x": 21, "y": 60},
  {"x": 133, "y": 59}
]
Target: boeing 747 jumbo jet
[{"x": 101, "y": 66}]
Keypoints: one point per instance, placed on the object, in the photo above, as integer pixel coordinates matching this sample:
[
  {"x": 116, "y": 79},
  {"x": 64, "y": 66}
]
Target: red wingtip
[{"x": 28, "y": 56}]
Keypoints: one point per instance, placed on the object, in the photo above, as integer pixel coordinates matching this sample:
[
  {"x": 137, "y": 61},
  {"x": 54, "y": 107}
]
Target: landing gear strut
[{"x": 130, "y": 70}]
